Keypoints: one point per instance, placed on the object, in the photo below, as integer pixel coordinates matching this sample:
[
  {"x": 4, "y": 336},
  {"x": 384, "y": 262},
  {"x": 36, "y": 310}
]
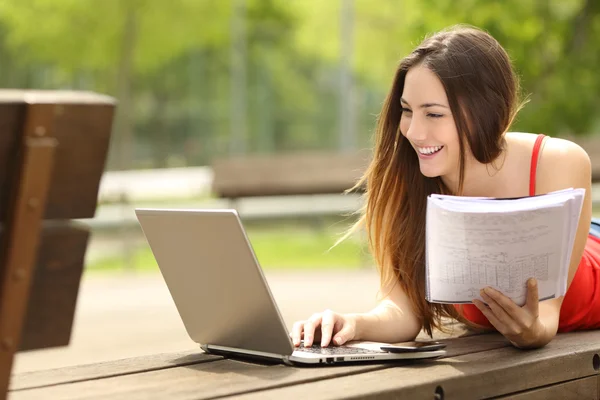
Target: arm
[
  {"x": 392, "y": 321},
  {"x": 563, "y": 164}
]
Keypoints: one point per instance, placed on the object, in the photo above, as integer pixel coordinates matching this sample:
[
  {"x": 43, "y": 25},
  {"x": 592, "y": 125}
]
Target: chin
[{"x": 430, "y": 173}]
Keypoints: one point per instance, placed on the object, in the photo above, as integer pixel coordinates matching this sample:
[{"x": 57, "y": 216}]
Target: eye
[
  {"x": 406, "y": 110},
  {"x": 432, "y": 115}
]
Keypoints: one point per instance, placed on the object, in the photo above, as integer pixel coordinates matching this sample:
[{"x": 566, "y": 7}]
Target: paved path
[{"x": 121, "y": 316}]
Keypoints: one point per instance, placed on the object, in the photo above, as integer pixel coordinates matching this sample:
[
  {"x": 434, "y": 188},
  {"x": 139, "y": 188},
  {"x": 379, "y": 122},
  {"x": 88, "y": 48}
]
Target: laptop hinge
[{"x": 224, "y": 350}]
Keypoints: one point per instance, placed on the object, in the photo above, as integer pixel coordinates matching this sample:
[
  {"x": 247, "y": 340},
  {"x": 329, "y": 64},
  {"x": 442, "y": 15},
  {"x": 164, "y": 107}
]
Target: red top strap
[{"x": 534, "y": 161}]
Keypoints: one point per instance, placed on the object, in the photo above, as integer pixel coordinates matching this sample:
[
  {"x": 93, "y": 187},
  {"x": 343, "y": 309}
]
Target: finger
[
  {"x": 494, "y": 314},
  {"x": 489, "y": 314},
  {"x": 507, "y": 304},
  {"x": 297, "y": 332},
  {"x": 327, "y": 325},
  {"x": 498, "y": 311},
  {"x": 533, "y": 301},
  {"x": 345, "y": 334},
  {"x": 309, "y": 329}
]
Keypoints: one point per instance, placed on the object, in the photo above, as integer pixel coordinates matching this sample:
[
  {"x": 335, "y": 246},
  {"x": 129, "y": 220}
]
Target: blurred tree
[
  {"x": 552, "y": 44},
  {"x": 176, "y": 58},
  {"x": 202, "y": 98},
  {"x": 188, "y": 92},
  {"x": 554, "y": 50},
  {"x": 115, "y": 41}
]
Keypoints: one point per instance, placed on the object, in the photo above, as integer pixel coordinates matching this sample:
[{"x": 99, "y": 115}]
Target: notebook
[{"x": 474, "y": 242}]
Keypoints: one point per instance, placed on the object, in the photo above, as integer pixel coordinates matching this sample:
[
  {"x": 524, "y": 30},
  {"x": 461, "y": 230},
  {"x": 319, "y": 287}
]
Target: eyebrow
[{"x": 425, "y": 105}]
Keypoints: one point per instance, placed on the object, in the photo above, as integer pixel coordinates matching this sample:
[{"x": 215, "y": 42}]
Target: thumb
[
  {"x": 533, "y": 302},
  {"x": 344, "y": 335}
]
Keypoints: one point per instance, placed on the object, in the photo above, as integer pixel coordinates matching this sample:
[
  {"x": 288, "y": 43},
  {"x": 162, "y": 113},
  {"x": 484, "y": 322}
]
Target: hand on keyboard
[{"x": 342, "y": 327}]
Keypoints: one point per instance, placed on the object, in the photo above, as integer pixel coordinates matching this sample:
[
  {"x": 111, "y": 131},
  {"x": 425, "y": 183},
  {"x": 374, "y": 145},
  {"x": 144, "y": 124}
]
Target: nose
[{"x": 415, "y": 132}]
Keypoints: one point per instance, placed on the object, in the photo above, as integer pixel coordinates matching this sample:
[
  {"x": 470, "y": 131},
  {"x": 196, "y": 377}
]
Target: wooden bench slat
[
  {"x": 223, "y": 378},
  {"x": 199, "y": 381},
  {"x": 83, "y": 135},
  {"x": 288, "y": 174},
  {"x": 55, "y": 285},
  {"x": 470, "y": 376},
  {"x": 579, "y": 389},
  {"x": 154, "y": 362},
  {"x": 82, "y": 132},
  {"x": 12, "y": 117},
  {"x": 28, "y": 192}
]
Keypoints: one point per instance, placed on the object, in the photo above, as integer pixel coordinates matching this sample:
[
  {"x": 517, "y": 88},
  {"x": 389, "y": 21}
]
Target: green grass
[
  {"x": 278, "y": 247},
  {"x": 282, "y": 244}
]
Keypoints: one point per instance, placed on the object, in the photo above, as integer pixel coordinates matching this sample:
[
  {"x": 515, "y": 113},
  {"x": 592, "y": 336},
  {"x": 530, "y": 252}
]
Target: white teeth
[{"x": 429, "y": 150}]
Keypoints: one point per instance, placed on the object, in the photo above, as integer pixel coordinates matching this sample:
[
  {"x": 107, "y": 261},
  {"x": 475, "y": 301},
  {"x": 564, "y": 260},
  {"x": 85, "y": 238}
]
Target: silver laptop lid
[{"x": 214, "y": 279}]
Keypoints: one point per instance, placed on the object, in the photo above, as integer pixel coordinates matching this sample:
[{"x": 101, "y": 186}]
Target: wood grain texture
[
  {"x": 12, "y": 119},
  {"x": 470, "y": 376},
  {"x": 19, "y": 245},
  {"x": 197, "y": 381},
  {"x": 108, "y": 369},
  {"x": 83, "y": 134},
  {"x": 55, "y": 286},
  {"x": 579, "y": 389},
  {"x": 228, "y": 377}
]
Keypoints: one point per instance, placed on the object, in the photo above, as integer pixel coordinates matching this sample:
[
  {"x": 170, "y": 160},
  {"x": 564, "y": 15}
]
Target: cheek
[
  {"x": 453, "y": 148},
  {"x": 404, "y": 125},
  {"x": 449, "y": 135}
]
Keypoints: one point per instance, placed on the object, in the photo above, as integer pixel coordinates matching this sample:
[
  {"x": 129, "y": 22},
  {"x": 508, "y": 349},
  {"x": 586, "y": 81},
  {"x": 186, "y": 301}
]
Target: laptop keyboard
[{"x": 336, "y": 350}]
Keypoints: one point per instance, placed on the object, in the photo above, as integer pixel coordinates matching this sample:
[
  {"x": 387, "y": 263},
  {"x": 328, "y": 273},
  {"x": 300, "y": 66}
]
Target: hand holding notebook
[{"x": 474, "y": 242}]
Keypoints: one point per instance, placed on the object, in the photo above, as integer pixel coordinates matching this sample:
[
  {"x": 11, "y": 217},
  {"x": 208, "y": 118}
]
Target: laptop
[{"x": 223, "y": 298}]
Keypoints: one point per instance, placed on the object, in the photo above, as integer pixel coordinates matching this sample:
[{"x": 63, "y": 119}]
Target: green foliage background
[{"x": 171, "y": 65}]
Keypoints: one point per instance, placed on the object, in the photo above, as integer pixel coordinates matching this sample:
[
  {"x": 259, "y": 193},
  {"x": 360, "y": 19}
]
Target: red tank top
[{"x": 581, "y": 305}]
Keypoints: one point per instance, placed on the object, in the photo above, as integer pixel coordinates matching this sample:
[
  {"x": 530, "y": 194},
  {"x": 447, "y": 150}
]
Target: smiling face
[{"x": 428, "y": 124}]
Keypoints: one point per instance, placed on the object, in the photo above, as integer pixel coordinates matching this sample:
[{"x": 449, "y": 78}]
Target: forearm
[{"x": 387, "y": 323}]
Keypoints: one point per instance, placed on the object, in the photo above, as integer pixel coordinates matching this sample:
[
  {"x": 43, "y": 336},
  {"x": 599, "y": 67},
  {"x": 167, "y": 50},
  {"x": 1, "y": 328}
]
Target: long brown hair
[{"x": 482, "y": 91}]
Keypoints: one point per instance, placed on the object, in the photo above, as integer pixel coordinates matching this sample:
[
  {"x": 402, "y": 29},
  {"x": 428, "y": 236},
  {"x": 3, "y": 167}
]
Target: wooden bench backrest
[
  {"x": 315, "y": 173},
  {"x": 288, "y": 174},
  {"x": 53, "y": 149}
]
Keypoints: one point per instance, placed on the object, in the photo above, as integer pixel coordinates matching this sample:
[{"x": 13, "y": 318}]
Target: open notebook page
[{"x": 473, "y": 243}]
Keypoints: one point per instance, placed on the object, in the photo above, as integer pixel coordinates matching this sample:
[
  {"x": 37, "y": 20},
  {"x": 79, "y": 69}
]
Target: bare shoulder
[
  {"x": 563, "y": 163},
  {"x": 557, "y": 149}
]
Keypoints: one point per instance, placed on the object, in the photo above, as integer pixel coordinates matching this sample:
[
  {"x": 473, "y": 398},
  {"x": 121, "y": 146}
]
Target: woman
[{"x": 444, "y": 129}]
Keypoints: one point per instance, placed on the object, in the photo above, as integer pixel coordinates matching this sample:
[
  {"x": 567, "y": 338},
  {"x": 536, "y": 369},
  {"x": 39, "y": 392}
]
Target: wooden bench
[
  {"x": 476, "y": 367},
  {"x": 314, "y": 173},
  {"x": 288, "y": 174},
  {"x": 53, "y": 147}
]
